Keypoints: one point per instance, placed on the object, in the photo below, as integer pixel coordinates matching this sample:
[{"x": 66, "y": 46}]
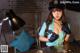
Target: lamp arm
[
  {"x": 1, "y": 28},
  {"x": 5, "y": 19}
]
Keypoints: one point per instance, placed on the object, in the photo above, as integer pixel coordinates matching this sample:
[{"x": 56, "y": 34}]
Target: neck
[{"x": 58, "y": 21}]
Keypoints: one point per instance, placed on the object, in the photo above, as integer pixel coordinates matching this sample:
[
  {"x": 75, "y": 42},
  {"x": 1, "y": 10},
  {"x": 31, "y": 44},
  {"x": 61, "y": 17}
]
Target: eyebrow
[{"x": 56, "y": 9}]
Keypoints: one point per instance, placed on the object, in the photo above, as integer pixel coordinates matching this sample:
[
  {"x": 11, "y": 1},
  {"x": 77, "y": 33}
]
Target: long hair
[{"x": 51, "y": 17}]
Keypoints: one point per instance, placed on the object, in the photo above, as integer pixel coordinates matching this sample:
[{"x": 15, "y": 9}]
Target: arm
[
  {"x": 66, "y": 39},
  {"x": 42, "y": 33},
  {"x": 44, "y": 39},
  {"x": 67, "y": 30}
]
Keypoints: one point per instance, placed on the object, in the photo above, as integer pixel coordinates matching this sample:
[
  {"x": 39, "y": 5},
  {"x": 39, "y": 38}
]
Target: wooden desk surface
[{"x": 72, "y": 48}]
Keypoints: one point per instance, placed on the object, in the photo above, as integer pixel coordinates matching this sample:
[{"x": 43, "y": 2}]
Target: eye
[{"x": 54, "y": 11}]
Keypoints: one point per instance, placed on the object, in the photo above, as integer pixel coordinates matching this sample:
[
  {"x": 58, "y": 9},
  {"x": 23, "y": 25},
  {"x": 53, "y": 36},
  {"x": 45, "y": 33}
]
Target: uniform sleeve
[
  {"x": 66, "y": 29},
  {"x": 69, "y": 27},
  {"x": 42, "y": 29}
]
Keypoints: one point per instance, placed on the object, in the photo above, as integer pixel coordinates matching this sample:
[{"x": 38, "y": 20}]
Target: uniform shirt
[{"x": 57, "y": 42}]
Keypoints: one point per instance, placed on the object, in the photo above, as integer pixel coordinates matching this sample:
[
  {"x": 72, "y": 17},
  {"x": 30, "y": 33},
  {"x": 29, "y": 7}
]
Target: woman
[{"x": 55, "y": 29}]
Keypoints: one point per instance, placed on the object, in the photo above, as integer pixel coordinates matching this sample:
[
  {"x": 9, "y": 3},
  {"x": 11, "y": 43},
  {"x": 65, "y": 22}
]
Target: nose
[{"x": 57, "y": 12}]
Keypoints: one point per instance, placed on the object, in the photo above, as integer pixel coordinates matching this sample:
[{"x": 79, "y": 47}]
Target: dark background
[{"x": 28, "y": 10}]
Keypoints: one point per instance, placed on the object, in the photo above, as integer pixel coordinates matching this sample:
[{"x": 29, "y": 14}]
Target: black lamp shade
[{"x": 16, "y": 22}]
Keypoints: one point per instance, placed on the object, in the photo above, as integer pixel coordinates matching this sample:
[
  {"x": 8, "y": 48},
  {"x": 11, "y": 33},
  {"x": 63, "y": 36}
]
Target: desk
[{"x": 72, "y": 48}]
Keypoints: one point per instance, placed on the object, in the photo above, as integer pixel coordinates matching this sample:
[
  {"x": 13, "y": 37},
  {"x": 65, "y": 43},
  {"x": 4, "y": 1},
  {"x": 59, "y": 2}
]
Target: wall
[
  {"x": 74, "y": 19},
  {"x": 28, "y": 10}
]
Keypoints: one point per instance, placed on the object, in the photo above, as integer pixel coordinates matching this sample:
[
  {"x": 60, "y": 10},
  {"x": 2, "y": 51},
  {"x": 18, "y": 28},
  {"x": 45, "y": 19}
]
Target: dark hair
[
  {"x": 50, "y": 16},
  {"x": 65, "y": 26}
]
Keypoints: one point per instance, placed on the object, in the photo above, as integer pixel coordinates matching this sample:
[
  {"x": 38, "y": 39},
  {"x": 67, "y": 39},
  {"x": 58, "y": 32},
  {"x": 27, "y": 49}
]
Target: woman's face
[{"x": 57, "y": 13}]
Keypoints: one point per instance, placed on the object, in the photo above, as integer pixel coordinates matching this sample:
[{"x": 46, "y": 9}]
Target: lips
[{"x": 57, "y": 16}]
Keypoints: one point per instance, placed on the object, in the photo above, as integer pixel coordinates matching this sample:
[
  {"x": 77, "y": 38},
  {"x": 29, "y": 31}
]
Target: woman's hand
[
  {"x": 53, "y": 37},
  {"x": 66, "y": 39}
]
